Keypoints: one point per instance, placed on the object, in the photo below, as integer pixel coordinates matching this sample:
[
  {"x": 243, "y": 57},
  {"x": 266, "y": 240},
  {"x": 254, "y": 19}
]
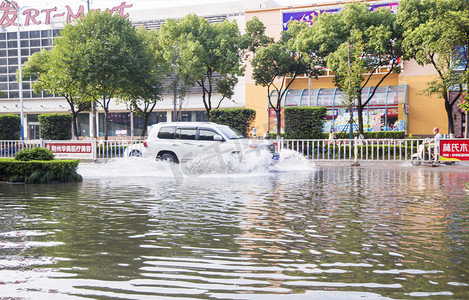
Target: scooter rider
[{"x": 436, "y": 142}]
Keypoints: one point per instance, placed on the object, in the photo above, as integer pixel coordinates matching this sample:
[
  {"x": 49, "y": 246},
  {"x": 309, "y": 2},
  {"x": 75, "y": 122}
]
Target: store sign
[
  {"x": 33, "y": 16},
  {"x": 308, "y": 16},
  {"x": 454, "y": 149},
  {"x": 71, "y": 149}
]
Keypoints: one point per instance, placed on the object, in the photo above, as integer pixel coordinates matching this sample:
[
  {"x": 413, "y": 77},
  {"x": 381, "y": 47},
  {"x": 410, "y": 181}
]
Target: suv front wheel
[{"x": 168, "y": 157}]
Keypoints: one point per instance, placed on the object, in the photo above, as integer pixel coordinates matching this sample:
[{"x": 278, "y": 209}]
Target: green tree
[
  {"x": 276, "y": 66},
  {"x": 215, "y": 53},
  {"x": 434, "y": 31},
  {"x": 146, "y": 91},
  {"x": 177, "y": 53},
  {"x": 254, "y": 37},
  {"x": 355, "y": 42},
  {"x": 50, "y": 75},
  {"x": 105, "y": 57}
]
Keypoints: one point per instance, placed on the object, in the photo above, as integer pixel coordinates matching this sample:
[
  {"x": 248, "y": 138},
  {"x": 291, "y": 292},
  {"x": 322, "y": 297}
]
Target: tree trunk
[
  {"x": 449, "y": 114},
  {"x": 106, "y": 123},
  {"x": 145, "y": 124},
  {"x": 75, "y": 125},
  {"x": 279, "y": 121},
  {"x": 360, "y": 114}
]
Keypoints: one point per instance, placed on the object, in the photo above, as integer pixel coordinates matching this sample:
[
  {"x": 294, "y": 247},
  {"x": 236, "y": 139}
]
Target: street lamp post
[{"x": 19, "y": 66}]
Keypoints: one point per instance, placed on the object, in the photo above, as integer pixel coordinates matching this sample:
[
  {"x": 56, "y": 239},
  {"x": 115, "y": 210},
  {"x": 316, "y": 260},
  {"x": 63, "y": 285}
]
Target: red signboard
[
  {"x": 454, "y": 149},
  {"x": 71, "y": 149}
]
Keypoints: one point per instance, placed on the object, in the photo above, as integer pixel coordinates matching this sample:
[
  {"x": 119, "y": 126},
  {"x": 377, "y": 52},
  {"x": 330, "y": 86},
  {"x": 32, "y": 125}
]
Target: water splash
[{"x": 253, "y": 164}]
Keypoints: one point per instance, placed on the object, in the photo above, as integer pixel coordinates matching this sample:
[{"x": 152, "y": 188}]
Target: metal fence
[
  {"x": 357, "y": 149},
  {"x": 114, "y": 148},
  {"x": 10, "y": 148},
  {"x": 317, "y": 150}
]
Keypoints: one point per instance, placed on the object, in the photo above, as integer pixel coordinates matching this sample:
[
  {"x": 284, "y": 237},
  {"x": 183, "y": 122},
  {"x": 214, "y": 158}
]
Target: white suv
[{"x": 179, "y": 142}]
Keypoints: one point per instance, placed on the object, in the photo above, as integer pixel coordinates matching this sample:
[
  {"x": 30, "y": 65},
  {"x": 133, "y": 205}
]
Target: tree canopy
[
  {"x": 49, "y": 75},
  {"x": 104, "y": 56},
  {"x": 206, "y": 54},
  {"x": 352, "y": 43},
  {"x": 277, "y": 65},
  {"x": 437, "y": 34},
  {"x": 146, "y": 91}
]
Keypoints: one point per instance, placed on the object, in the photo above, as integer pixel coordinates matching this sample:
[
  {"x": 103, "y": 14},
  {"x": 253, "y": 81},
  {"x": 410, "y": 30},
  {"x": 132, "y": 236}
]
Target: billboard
[
  {"x": 454, "y": 149},
  {"x": 308, "y": 16},
  {"x": 71, "y": 149}
]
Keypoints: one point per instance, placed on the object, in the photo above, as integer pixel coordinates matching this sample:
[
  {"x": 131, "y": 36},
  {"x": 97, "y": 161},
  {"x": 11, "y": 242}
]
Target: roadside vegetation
[{"x": 37, "y": 165}]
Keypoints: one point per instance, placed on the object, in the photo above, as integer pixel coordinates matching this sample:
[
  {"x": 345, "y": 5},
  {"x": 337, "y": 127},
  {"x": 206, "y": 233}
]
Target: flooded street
[{"x": 135, "y": 229}]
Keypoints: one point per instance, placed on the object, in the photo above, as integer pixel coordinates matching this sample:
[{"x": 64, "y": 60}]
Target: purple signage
[{"x": 308, "y": 16}]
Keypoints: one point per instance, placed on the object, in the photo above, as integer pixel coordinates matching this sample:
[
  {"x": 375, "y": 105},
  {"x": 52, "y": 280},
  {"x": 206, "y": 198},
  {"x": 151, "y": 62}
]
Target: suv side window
[
  {"x": 206, "y": 134},
  {"x": 186, "y": 133},
  {"x": 166, "y": 132}
]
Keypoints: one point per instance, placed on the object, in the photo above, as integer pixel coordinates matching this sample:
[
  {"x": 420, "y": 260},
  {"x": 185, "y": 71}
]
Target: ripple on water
[{"x": 131, "y": 231}]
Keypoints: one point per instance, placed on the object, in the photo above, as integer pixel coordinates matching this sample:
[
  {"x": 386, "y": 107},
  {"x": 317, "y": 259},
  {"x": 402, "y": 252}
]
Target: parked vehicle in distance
[
  {"x": 136, "y": 148},
  {"x": 184, "y": 141},
  {"x": 133, "y": 150}
]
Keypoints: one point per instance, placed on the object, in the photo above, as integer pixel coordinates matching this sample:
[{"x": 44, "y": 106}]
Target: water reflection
[{"x": 316, "y": 232}]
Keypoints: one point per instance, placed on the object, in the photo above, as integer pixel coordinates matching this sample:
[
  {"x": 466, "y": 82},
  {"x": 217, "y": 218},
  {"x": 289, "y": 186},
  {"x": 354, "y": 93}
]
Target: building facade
[{"x": 399, "y": 103}]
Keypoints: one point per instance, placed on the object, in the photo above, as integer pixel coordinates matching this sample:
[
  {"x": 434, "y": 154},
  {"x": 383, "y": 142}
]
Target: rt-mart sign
[
  {"x": 34, "y": 16},
  {"x": 454, "y": 149}
]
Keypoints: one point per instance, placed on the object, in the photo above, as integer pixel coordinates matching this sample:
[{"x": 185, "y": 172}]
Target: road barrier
[
  {"x": 354, "y": 150},
  {"x": 316, "y": 150}
]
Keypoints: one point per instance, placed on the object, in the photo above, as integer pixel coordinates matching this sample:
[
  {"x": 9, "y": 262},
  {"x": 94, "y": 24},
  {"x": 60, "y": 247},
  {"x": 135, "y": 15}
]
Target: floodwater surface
[{"x": 136, "y": 229}]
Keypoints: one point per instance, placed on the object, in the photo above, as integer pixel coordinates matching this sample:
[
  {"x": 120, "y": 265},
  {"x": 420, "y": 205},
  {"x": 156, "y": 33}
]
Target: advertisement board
[
  {"x": 454, "y": 149},
  {"x": 70, "y": 149}
]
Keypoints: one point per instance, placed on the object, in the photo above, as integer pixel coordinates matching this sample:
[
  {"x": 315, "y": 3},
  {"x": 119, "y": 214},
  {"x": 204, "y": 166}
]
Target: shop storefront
[{"x": 386, "y": 111}]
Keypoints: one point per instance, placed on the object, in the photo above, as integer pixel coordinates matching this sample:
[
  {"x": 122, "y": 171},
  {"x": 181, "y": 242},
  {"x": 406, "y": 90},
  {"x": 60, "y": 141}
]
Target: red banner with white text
[{"x": 454, "y": 149}]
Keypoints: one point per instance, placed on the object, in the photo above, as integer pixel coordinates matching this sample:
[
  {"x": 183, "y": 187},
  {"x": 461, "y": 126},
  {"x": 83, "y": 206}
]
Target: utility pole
[
  {"x": 93, "y": 130},
  {"x": 350, "y": 87}
]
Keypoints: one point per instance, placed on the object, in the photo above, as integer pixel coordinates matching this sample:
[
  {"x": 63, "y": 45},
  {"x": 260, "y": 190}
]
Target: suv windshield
[{"x": 230, "y": 133}]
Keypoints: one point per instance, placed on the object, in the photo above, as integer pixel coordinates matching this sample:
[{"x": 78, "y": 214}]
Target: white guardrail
[{"x": 317, "y": 150}]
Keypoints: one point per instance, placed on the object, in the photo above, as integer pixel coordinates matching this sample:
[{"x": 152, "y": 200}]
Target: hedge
[
  {"x": 55, "y": 126},
  {"x": 39, "y": 171},
  {"x": 240, "y": 119},
  {"x": 304, "y": 122},
  {"x": 36, "y": 153},
  {"x": 10, "y": 127}
]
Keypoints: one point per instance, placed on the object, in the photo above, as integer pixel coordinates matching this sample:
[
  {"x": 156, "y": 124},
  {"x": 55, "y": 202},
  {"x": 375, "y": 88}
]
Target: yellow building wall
[{"x": 425, "y": 112}]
